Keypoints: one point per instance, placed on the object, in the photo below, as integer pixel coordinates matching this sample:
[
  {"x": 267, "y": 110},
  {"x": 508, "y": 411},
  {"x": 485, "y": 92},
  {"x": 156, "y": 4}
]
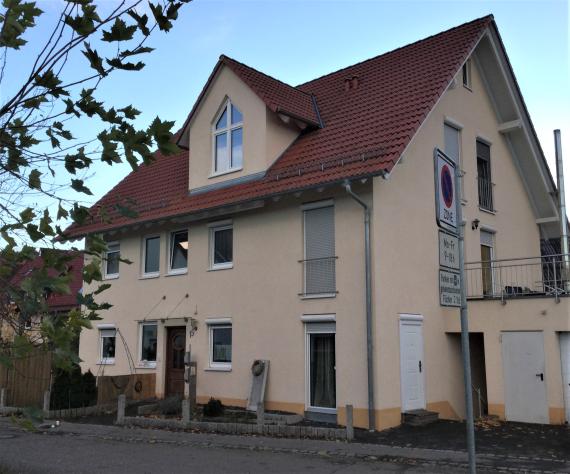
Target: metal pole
[
  {"x": 564, "y": 243},
  {"x": 368, "y": 277},
  {"x": 465, "y": 329}
]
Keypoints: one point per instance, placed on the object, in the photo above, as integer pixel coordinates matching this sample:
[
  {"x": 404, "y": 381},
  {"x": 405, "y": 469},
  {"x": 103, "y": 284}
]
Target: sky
[{"x": 296, "y": 41}]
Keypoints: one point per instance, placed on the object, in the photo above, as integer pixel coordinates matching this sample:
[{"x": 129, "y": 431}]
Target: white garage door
[
  {"x": 565, "y": 359},
  {"x": 524, "y": 377}
]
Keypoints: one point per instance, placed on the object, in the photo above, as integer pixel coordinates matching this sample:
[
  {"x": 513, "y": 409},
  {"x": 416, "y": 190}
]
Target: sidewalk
[{"x": 431, "y": 459}]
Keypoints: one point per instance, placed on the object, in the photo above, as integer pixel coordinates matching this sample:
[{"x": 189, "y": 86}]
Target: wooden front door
[{"x": 175, "y": 348}]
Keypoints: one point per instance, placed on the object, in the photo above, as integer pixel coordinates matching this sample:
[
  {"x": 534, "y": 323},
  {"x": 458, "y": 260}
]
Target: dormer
[{"x": 241, "y": 123}]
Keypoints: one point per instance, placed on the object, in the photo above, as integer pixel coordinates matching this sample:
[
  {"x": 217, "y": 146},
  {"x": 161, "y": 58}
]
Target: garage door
[
  {"x": 524, "y": 377},
  {"x": 565, "y": 359}
]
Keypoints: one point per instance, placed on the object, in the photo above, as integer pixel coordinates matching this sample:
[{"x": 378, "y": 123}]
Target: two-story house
[{"x": 298, "y": 226}]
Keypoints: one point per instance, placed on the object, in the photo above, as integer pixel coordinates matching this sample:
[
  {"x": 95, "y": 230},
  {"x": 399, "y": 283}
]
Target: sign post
[{"x": 449, "y": 216}]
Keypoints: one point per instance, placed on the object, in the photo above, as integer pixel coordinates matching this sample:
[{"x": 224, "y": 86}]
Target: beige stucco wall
[
  {"x": 260, "y": 293},
  {"x": 265, "y": 136}
]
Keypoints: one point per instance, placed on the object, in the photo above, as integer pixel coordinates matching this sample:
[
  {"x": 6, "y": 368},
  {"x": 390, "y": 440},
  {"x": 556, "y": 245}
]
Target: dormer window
[{"x": 228, "y": 140}]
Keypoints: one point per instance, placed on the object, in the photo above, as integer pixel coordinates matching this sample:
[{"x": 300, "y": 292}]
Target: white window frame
[
  {"x": 492, "y": 247},
  {"x": 145, "y": 274},
  {"x": 102, "y": 330},
  {"x": 177, "y": 271},
  {"x": 110, "y": 276},
  {"x": 213, "y": 228},
  {"x": 150, "y": 364},
  {"x": 228, "y": 131},
  {"x": 213, "y": 324},
  {"x": 449, "y": 122},
  {"x": 466, "y": 76},
  {"x": 324, "y": 326}
]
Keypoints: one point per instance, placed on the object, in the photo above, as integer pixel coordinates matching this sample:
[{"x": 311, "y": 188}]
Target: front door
[
  {"x": 524, "y": 376},
  {"x": 411, "y": 362},
  {"x": 175, "y": 349},
  {"x": 565, "y": 359}
]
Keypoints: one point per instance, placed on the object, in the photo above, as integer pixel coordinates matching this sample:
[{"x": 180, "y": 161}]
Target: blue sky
[{"x": 299, "y": 40}]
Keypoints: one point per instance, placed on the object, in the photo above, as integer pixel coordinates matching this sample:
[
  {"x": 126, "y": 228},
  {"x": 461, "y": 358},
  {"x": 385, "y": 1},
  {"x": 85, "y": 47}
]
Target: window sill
[
  {"x": 177, "y": 273},
  {"x": 149, "y": 276},
  {"x": 222, "y": 173},
  {"x": 106, "y": 362},
  {"x": 218, "y": 369},
  {"x": 318, "y": 296},
  {"x": 146, "y": 365},
  {"x": 487, "y": 211},
  {"x": 225, "y": 266},
  {"x": 111, "y": 277}
]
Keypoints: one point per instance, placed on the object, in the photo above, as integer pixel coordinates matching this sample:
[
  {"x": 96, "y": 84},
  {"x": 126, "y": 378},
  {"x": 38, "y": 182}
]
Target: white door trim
[
  {"x": 564, "y": 338},
  {"x": 312, "y": 327},
  {"x": 409, "y": 319}
]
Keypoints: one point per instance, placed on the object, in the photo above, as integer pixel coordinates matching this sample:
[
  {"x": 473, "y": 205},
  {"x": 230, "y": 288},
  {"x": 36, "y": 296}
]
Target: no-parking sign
[{"x": 445, "y": 194}]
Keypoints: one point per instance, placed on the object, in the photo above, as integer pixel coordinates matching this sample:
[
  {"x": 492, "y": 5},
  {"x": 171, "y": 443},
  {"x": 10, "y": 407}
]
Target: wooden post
[
  {"x": 2, "y": 397},
  {"x": 349, "y": 423},
  {"x": 121, "y": 409},
  {"x": 186, "y": 411},
  {"x": 47, "y": 396}
]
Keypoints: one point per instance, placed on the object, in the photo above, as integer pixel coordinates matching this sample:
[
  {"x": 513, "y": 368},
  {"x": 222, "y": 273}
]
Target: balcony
[
  {"x": 547, "y": 276},
  {"x": 485, "y": 187},
  {"x": 319, "y": 277}
]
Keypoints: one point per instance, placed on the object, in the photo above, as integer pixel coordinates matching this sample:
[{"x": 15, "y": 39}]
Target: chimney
[{"x": 351, "y": 83}]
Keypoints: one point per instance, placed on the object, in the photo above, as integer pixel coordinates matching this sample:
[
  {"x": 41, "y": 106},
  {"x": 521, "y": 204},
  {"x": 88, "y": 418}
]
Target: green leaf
[
  {"x": 27, "y": 215},
  {"x": 78, "y": 185},
  {"x": 45, "y": 222},
  {"x": 33, "y": 232},
  {"x": 140, "y": 50},
  {"x": 141, "y": 20},
  {"x": 117, "y": 63},
  {"x": 95, "y": 61},
  {"x": 130, "y": 112},
  {"x": 61, "y": 212},
  {"x": 77, "y": 161},
  {"x": 34, "y": 181},
  {"x": 120, "y": 31}
]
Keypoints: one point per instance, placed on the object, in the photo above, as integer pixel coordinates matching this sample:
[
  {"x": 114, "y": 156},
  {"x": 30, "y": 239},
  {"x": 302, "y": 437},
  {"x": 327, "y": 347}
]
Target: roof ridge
[
  {"x": 488, "y": 18},
  {"x": 223, "y": 57}
]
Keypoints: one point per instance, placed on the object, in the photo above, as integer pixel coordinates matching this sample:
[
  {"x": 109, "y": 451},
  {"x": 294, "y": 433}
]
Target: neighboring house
[
  {"x": 253, "y": 233},
  {"x": 57, "y": 304}
]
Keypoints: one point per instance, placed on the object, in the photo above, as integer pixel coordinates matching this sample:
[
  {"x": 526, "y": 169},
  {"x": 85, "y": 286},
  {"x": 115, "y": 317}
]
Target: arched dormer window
[{"x": 228, "y": 140}]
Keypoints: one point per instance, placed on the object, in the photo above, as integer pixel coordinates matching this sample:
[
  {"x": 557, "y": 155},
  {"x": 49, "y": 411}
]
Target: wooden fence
[
  {"x": 27, "y": 380},
  {"x": 134, "y": 386}
]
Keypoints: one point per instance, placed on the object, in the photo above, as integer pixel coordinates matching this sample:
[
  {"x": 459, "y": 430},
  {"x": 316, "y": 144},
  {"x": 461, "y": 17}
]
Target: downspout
[
  {"x": 564, "y": 243},
  {"x": 368, "y": 277}
]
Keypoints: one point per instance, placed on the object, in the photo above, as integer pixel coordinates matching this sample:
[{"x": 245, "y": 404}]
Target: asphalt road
[{"x": 22, "y": 452}]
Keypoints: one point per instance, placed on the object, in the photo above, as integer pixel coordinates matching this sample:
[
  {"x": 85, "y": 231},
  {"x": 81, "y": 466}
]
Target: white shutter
[
  {"x": 487, "y": 238},
  {"x": 451, "y": 138},
  {"x": 319, "y": 251}
]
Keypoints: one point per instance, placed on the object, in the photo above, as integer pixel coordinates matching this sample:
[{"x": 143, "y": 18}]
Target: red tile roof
[
  {"x": 366, "y": 129},
  {"x": 56, "y": 301}
]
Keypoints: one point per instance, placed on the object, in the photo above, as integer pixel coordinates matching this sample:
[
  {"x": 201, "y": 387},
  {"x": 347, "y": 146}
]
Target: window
[
  {"x": 151, "y": 256},
  {"x": 487, "y": 256},
  {"x": 111, "y": 260},
  {"x": 484, "y": 182},
  {"x": 107, "y": 339},
  {"x": 221, "y": 246},
  {"x": 228, "y": 140},
  {"x": 178, "y": 262},
  {"x": 220, "y": 345},
  {"x": 466, "y": 73},
  {"x": 320, "y": 260},
  {"x": 148, "y": 331},
  {"x": 452, "y": 143}
]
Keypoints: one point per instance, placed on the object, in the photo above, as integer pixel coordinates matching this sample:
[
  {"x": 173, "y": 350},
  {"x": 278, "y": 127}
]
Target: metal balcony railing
[
  {"x": 485, "y": 187},
  {"x": 319, "y": 276},
  {"x": 520, "y": 277}
]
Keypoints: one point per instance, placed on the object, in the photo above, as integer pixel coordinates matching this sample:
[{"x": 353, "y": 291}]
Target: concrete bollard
[
  {"x": 186, "y": 411},
  {"x": 122, "y": 401},
  {"x": 260, "y": 413},
  {"x": 349, "y": 423},
  {"x": 47, "y": 397},
  {"x": 2, "y": 397}
]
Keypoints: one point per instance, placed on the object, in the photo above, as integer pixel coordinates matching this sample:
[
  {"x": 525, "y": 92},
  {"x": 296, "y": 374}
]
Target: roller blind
[{"x": 319, "y": 251}]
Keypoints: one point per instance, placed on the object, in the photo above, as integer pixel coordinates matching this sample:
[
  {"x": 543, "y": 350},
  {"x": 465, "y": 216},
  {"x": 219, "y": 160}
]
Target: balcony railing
[
  {"x": 485, "y": 193},
  {"x": 521, "y": 277},
  {"x": 319, "y": 276}
]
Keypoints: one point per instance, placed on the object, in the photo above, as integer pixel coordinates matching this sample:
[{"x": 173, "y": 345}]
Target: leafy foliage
[{"x": 42, "y": 158}]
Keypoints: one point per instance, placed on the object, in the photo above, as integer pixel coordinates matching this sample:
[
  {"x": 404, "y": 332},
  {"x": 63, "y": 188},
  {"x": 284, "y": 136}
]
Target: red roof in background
[
  {"x": 366, "y": 129},
  {"x": 56, "y": 301}
]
